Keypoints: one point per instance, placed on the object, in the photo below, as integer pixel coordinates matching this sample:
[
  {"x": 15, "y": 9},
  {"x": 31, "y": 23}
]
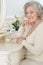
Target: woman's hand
[
  {"x": 19, "y": 39},
  {"x": 25, "y": 22}
]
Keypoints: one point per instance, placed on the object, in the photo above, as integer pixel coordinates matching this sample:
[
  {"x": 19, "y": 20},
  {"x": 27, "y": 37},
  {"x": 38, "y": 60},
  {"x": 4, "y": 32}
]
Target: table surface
[{"x": 8, "y": 48}]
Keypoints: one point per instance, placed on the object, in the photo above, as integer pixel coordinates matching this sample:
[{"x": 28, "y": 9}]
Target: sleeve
[
  {"x": 38, "y": 46},
  {"x": 20, "y": 32}
]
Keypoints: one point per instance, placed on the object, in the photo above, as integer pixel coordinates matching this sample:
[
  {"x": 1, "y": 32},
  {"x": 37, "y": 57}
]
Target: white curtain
[
  {"x": 2, "y": 12},
  {"x": 0, "y": 8}
]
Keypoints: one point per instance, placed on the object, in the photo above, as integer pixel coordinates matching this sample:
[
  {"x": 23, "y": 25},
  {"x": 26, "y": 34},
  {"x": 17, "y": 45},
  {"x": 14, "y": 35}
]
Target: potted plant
[{"x": 17, "y": 23}]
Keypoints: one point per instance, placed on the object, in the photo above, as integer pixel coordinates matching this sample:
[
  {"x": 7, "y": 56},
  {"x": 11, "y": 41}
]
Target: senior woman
[
  {"x": 34, "y": 41},
  {"x": 34, "y": 38}
]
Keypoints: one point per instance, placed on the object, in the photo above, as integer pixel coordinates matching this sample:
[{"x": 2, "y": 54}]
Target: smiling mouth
[{"x": 30, "y": 18}]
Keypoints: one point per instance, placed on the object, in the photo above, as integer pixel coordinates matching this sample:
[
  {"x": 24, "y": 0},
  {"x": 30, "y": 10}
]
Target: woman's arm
[
  {"x": 21, "y": 29},
  {"x": 38, "y": 46},
  {"x": 20, "y": 32},
  {"x": 19, "y": 36}
]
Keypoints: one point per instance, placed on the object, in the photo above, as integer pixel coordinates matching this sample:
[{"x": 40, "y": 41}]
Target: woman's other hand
[{"x": 19, "y": 39}]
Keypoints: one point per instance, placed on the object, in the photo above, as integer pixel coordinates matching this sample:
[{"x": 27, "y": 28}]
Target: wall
[{"x": 15, "y": 7}]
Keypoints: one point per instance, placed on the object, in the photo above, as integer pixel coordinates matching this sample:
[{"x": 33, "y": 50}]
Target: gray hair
[{"x": 37, "y": 6}]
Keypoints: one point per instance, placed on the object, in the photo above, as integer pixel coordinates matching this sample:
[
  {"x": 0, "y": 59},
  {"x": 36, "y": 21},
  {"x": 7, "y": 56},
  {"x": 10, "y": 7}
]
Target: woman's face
[{"x": 31, "y": 13}]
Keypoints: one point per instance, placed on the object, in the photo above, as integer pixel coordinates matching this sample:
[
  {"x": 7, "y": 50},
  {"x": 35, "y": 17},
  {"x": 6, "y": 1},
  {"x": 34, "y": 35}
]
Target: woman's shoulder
[
  {"x": 41, "y": 24},
  {"x": 39, "y": 28}
]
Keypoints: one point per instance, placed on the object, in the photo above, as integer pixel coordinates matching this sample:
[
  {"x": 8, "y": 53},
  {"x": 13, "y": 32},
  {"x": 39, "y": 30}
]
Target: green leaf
[{"x": 16, "y": 25}]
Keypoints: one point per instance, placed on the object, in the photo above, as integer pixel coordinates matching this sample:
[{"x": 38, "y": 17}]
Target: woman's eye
[
  {"x": 31, "y": 12},
  {"x": 26, "y": 12}
]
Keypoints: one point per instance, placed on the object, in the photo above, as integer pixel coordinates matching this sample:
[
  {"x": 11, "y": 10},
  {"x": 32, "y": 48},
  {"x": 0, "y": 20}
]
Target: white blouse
[{"x": 34, "y": 44}]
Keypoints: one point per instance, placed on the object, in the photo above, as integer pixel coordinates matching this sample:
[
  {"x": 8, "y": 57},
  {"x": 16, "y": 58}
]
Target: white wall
[{"x": 15, "y": 7}]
